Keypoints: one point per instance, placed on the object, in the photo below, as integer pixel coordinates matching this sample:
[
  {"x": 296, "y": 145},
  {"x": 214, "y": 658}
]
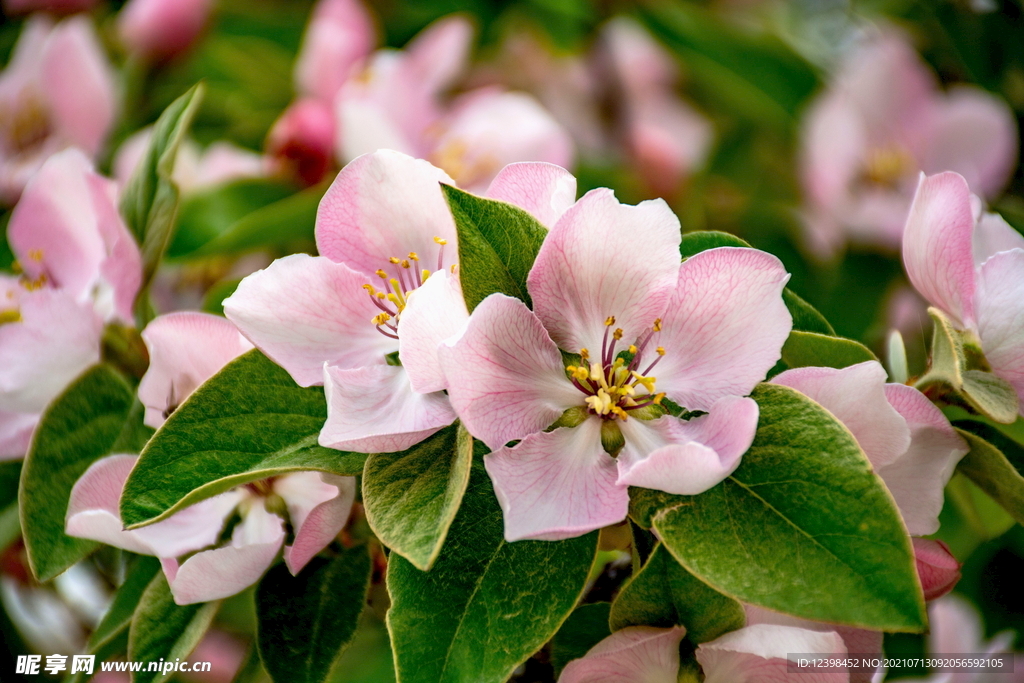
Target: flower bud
[
  {"x": 161, "y": 29},
  {"x": 937, "y": 568}
]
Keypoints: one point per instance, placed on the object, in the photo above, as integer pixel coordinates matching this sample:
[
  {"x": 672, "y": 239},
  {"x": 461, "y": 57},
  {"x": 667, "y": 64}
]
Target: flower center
[
  {"x": 24, "y": 124},
  {"x": 393, "y": 298},
  {"x": 616, "y": 385},
  {"x": 887, "y": 166}
]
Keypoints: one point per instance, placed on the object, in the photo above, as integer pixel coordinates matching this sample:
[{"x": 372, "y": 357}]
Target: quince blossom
[
  {"x": 161, "y": 29},
  {"x": 185, "y": 350},
  {"x": 80, "y": 269},
  {"x": 56, "y": 92},
  {"x": 385, "y": 283},
  {"x": 607, "y": 280},
  {"x": 970, "y": 265}
]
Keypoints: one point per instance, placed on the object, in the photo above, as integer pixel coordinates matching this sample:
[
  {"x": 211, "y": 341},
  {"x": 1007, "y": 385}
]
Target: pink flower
[
  {"x": 936, "y": 567},
  {"x": 383, "y": 284},
  {"x": 957, "y": 629},
  {"x": 340, "y": 35},
  {"x": 608, "y": 279},
  {"x": 160, "y": 29},
  {"x": 760, "y": 652},
  {"x": 908, "y": 440},
  {"x": 882, "y": 122},
  {"x": 56, "y": 92},
  {"x": 302, "y": 140},
  {"x": 81, "y": 268},
  {"x": 637, "y": 653},
  {"x": 970, "y": 265}
]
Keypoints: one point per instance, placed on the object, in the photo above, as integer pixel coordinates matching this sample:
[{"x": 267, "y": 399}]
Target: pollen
[
  {"x": 441, "y": 241},
  {"x": 394, "y": 260},
  {"x": 413, "y": 256},
  {"x": 35, "y": 255},
  {"x": 609, "y": 321},
  {"x": 380, "y": 318},
  {"x": 657, "y": 325}
]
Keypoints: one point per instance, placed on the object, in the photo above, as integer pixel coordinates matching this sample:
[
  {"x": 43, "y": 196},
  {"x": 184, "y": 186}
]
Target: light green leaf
[
  {"x": 693, "y": 243},
  {"x": 803, "y": 526},
  {"x": 249, "y": 421},
  {"x": 947, "y": 357},
  {"x": 990, "y": 395},
  {"x": 987, "y": 467},
  {"x": 585, "y": 628},
  {"x": 305, "y": 621},
  {"x": 498, "y": 244},
  {"x": 149, "y": 203},
  {"x": 411, "y": 497},
  {"x": 119, "y": 615},
  {"x": 664, "y": 594},
  {"x": 162, "y": 629},
  {"x": 77, "y": 429},
  {"x": 804, "y": 349},
  {"x": 487, "y": 604}
]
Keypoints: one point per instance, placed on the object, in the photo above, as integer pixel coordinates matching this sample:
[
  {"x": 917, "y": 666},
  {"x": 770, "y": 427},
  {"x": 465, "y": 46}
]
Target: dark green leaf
[
  {"x": 803, "y": 526},
  {"x": 487, "y": 604},
  {"x": 803, "y": 349},
  {"x": 695, "y": 242},
  {"x": 249, "y": 421},
  {"x": 306, "y": 620},
  {"x": 498, "y": 244},
  {"x": 10, "y": 473},
  {"x": 585, "y": 628},
  {"x": 77, "y": 429},
  {"x": 987, "y": 467},
  {"x": 119, "y": 615},
  {"x": 411, "y": 497},
  {"x": 664, "y": 594},
  {"x": 162, "y": 629}
]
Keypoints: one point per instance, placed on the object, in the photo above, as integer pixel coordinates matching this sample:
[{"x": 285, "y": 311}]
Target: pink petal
[
  {"x": 222, "y": 572},
  {"x": 340, "y": 34},
  {"x": 303, "y": 311},
  {"x": 937, "y": 245},
  {"x": 544, "y": 190},
  {"x": 16, "y": 433},
  {"x": 438, "y": 54},
  {"x": 758, "y": 654},
  {"x": 222, "y": 162},
  {"x": 185, "y": 350},
  {"x": 79, "y": 84},
  {"x": 687, "y": 457},
  {"x": 639, "y": 61},
  {"x": 856, "y": 396},
  {"x": 955, "y": 626},
  {"x": 55, "y": 341},
  {"x": 724, "y": 327},
  {"x": 636, "y": 653},
  {"x": 555, "y": 485},
  {"x": 93, "y": 506},
  {"x": 374, "y": 410},
  {"x": 937, "y": 568},
  {"x": 605, "y": 259},
  {"x": 384, "y": 205},
  {"x": 160, "y": 29},
  {"x": 992, "y": 234},
  {"x": 832, "y": 152},
  {"x": 974, "y": 134},
  {"x": 1000, "y": 311},
  {"x": 488, "y": 129},
  {"x": 319, "y": 505},
  {"x": 669, "y": 140},
  {"x": 121, "y": 271},
  {"x": 505, "y": 375},
  {"x": 918, "y": 477},
  {"x": 434, "y": 314},
  {"x": 197, "y": 526}
]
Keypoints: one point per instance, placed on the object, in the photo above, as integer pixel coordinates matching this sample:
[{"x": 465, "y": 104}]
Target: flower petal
[
  {"x": 374, "y": 410},
  {"x": 555, "y": 485},
  {"x": 937, "y": 251},
  {"x": 16, "y": 433},
  {"x": 856, "y": 396},
  {"x": 339, "y": 35},
  {"x": 724, "y": 327},
  {"x": 992, "y": 234},
  {"x": 544, "y": 190},
  {"x": 319, "y": 505},
  {"x": 384, "y": 205},
  {"x": 505, "y": 375},
  {"x": 1000, "y": 310},
  {"x": 185, "y": 350},
  {"x": 605, "y": 259},
  {"x": 687, "y": 457},
  {"x": 936, "y": 567},
  {"x": 918, "y": 477},
  {"x": 435, "y": 312},
  {"x": 93, "y": 505},
  {"x": 759, "y": 653},
  {"x": 636, "y": 653},
  {"x": 303, "y": 311}
]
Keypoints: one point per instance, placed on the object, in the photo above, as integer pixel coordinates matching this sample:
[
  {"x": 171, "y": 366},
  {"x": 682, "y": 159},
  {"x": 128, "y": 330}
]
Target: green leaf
[
  {"x": 149, "y": 203},
  {"x": 498, "y": 244},
  {"x": 803, "y": 526},
  {"x": 987, "y": 467},
  {"x": 487, "y": 604},
  {"x": 10, "y": 474},
  {"x": 119, "y": 615},
  {"x": 695, "y": 242},
  {"x": 411, "y": 497},
  {"x": 77, "y": 429},
  {"x": 305, "y": 621},
  {"x": 213, "y": 302},
  {"x": 990, "y": 395},
  {"x": 804, "y": 349},
  {"x": 664, "y": 594},
  {"x": 947, "y": 357},
  {"x": 162, "y": 629},
  {"x": 585, "y": 628},
  {"x": 249, "y": 421}
]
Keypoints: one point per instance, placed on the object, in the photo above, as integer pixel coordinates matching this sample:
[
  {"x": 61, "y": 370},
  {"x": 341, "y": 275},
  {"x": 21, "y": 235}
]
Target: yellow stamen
[
  {"x": 660, "y": 350},
  {"x": 609, "y": 321},
  {"x": 35, "y": 255},
  {"x": 657, "y": 325},
  {"x": 10, "y": 316},
  {"x": 405, "y": 264},
  {"x": 394, "y": 260},
  {"x": 413, "y": 256},
  {"x": 380, "y": 318},
  {"x": 617, "y": 333},
  {"x": 632, "y": 349},
  {"x": 424, "y": 274},
  {"x": 441, "y": 241},
  {"x": 584, "y": 354},
  {"x": 381, "y": 274}
]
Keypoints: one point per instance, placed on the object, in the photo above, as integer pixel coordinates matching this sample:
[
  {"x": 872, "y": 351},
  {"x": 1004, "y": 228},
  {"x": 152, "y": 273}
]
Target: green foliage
[
  {"x": 162, "y": 629},
  {"x": 803, "y": 349},
  {"x": 411, "y": 497},
  {"x": 305, "y": 621},
  {"x": 487, "y": 604},
  {"x": 78, "y": 428},
  {"x": 989, "y": 468},
  {"x": 585, "y": 628},
  {"x": 664, "y": 594},
  {"x": 498, "y": 244},
  {"x": 249, "y": 421},
  {"x": 803, "y": 526},
  {"x": 139, "y": 575}
]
